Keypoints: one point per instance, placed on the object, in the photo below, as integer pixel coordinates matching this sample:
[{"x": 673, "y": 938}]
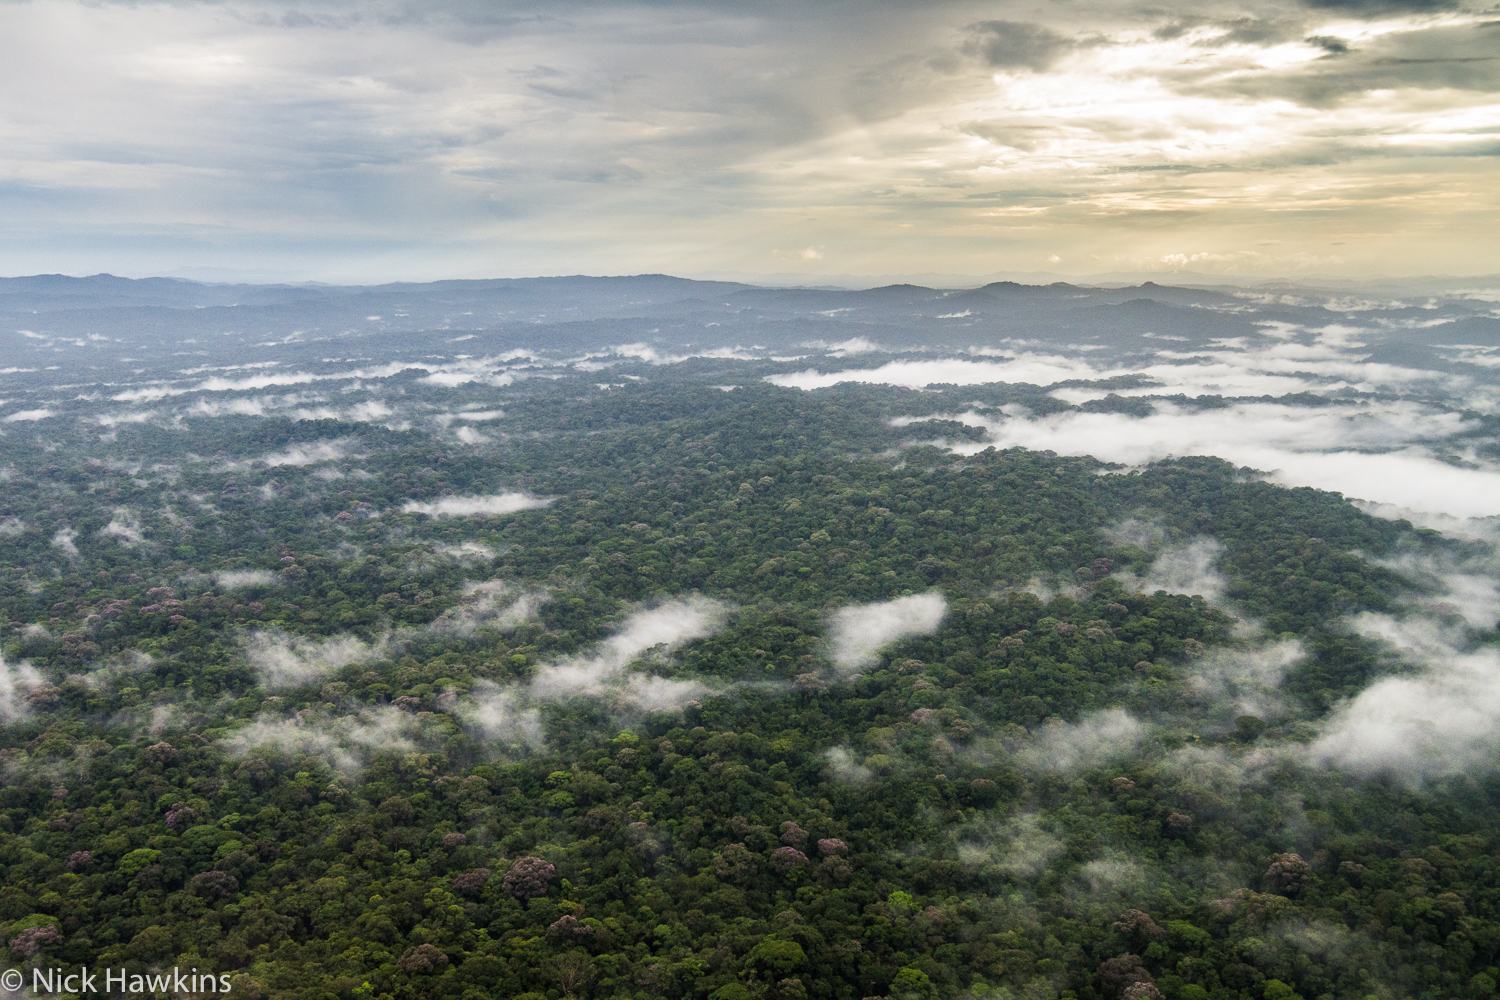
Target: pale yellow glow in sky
[{"x": 346, "y": 143}]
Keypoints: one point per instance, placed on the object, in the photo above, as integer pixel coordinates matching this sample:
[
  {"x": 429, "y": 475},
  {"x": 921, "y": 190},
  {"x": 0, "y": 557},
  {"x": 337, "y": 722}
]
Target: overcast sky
[{"x": 464, "y": 139}]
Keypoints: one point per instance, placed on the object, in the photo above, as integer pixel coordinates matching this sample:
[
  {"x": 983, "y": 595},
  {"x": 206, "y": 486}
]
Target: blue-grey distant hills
[{"x": 81, "y": 329}]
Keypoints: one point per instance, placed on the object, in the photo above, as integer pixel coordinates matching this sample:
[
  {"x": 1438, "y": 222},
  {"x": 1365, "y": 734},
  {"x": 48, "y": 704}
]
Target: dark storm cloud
[
  {"x": 1465, "y": 58},
  {"x": 1329, "y": 44},
  {"x": 1383, "y": 8},
  {"x": 1018, "y": 45}
]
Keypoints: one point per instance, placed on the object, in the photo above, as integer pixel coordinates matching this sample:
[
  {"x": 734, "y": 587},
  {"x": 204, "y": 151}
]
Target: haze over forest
[
  {"x": 646, "y": 637},
  {"x": 966, "y": 500}
]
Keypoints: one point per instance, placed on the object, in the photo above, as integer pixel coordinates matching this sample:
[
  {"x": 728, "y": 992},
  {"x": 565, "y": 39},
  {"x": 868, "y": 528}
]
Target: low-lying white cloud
[
  {"x": 1142, "y": 534},
  {"x": 243, "y": 406},
  {"x": 649, "y": 693},
  {"x": 125, "y": 527},
  {"x": 28, "y": 415},
  {"x": 1442, "y": 719},
  {"x": 1485, "y": 529},
  {"x": 666, "y": 627},
  {"x": 63, "y": 541},
  {"x": 1182, "y": 569},
  {"x": 468, "y": 435},
  {"x": 17, "y": 680},
  {"x": 1018, "y": 845},
  {"x": 1246, "y": 680},
  {"x": 1469, "y": 587},
  {"x": 307, "y": 454},
  {"x": 845, "y": 768},
  {"x": 1440, "y": 722},
  {"x": 10, "y": 527},
  {"x": 859, "y": 632},
  {"x": 1090, "y": 742},
  {"x": 284, "y": 660},
  {"x": 1033, "y": 369},
  {"x": 231, "y": 579},
  {"x": 455, "y": 506},
  {"x": 1385, "y": 451},
  {"x": 129, "y": 417},
  {"x": 502, "y": 715},
  {"x": 511, "y": 714},
  {"x": 843, "y": 348},
  {"x": 491, "y": 604},
  {"x": 346, "y": 740},
  {"x": 369, "y": 411},
  {"x": 295, "y": 456}
]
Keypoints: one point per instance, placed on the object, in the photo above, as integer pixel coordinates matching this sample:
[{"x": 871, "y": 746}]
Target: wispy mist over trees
[{"x": 681, "y": 679}]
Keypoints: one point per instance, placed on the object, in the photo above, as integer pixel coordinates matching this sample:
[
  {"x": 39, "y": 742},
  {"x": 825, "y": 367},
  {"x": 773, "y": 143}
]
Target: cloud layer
[{"x": 411, "y": 140}]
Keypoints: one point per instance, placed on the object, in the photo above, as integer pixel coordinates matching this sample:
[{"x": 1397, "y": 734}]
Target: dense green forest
[{"x": 664, "y": 690}]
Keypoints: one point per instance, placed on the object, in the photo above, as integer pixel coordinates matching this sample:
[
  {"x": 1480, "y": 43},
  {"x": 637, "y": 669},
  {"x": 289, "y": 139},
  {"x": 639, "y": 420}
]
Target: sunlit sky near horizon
[{"x": 394, "y": 140}]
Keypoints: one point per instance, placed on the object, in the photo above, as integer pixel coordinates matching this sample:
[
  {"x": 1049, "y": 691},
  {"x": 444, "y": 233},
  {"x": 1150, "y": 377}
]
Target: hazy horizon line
[{"x": 937, "y": 280}]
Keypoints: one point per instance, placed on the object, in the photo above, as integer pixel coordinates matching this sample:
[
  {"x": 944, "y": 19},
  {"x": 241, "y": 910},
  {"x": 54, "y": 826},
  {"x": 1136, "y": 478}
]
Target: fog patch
[
  {"x": 665, "y": 628},
  {"x": 1246, "y": 679},
  {"x": 859, "y": 632},
  {"x": 102, "y": 676},
  {"x": 369, "y": 411},
  {"x": 501, "y": 503},
  {"x": 63, "y": 541},
  {"x": 124, "y": 526},
  {"x": 29, "y": 415},
  {"x": 501, "y": 715},
  {"x": 1388, "y": 451},
  {"x": 161, "y": 718},
  {"x": 1468, "y": 588},
  {"x": 17, "y": 680},
  {"x": 295, "y": 456},
  {"x": 345, "y": 741},
  {"x": 1046, "y": 590},
  {"x": 1016, "y": 846},
  {"x": 116, "y": 419},
  {"x": 649, "y": 693},
  {"x": 284, "y": 660},
  {"x": 1090, "y": 742},
  {"x": 468, "y": 435},
  {"x": 1423, "y": 726},
  {"x": 1114, "y": 878},
  {"x": 1182, "y": 569},
  {"x": 1213, "y": 769},
  {"x": 1144, "y": 535},
  {"x": 10, "y": 527},
  {"x": 309, "y": 454},
  {"x": 1481, "y": 529},
  {"x": 466, "y": 552},
  {"x": 843, "y": 348},
  {"x": 491, "y": 604},
  {"x": 1032, "y": 369},
  {"x": 845, "y": 769},
  {"x": 1441, "y": 718},
  {"x": 232, "y": 579},
  {"x": 511, "y": 714},
  {"x": 245, "y": 407}
]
